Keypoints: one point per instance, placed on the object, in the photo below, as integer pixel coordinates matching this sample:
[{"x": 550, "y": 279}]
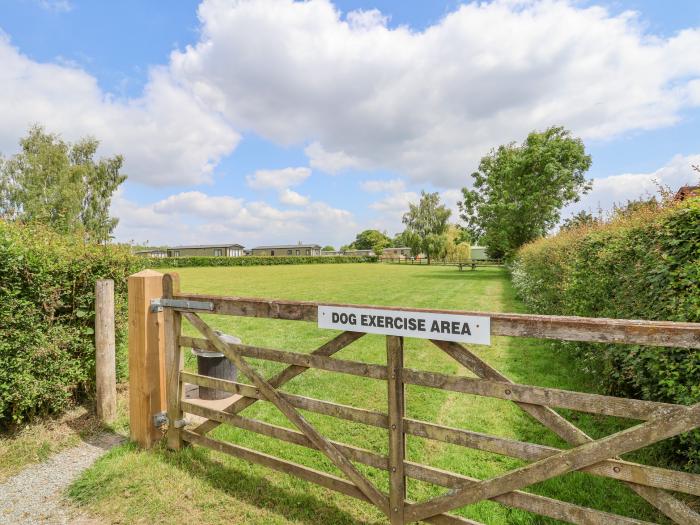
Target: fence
[
  {"x": 460, "y": 263},
  {"x": 597, "y": 457}
]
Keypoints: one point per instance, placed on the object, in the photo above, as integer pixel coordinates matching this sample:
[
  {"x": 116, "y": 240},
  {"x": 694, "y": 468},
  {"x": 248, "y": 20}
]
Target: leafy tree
[
  {"x": 580, "y": 219},
  {"x": 457, "y": 247},
  {"x": 328, "y": 248},
  {"x": 519, "y": 191},
  {"x": 371, "y": 240},
  {"x": 60, "y": 184},
  {"x": 426, "y": 225}
]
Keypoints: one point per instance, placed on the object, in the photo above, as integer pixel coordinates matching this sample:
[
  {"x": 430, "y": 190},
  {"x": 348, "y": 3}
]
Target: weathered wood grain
[
  {"x": 602, "y": 330},
  {"x": 666, "y": 423},
  {"x": 397, "y": 441},
  {"x": 338, "y": 459},
  {"x": 105, "y": 359},
  {"x": 174, "y": 362}
]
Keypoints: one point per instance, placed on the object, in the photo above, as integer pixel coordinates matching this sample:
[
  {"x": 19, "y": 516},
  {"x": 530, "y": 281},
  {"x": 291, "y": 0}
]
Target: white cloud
[
  {"x": 618, "y": 189},
  {"x": 56, "y": 6},
  {"x": 293, "y": 198},
  {"x": 332, "y": 162},
  {"x": 195, "y": 217},
  {"x": 167, "y": 136},
  {"x": 378, "y": 186},
  {"x": 429, "y": 104},
  {"x": 278, "y": 179}
]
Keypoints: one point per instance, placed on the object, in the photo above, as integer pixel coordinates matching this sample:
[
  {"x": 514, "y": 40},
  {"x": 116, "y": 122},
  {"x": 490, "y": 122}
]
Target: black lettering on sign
[
  {"x": 390, "y": 322},
  {"x": 435, "y": 327},
  {"x": 335, "y": 317},
  {"x": 421, "y": 325},
  {"x": 445, "y": 327},
  {"x": 465, "y": 329}
]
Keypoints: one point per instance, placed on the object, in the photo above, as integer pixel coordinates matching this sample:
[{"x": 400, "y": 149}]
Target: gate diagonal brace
[
  {"x": 337, "y": 457},
  {"x": 668, "y": 504}
]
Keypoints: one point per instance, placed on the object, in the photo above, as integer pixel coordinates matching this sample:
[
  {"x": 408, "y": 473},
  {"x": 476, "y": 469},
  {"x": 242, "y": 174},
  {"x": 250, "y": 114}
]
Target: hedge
[
  {"x": 645, "y": 265},
  {"x": 47, "y": 283},
  {"x": 180, "y": 262}
]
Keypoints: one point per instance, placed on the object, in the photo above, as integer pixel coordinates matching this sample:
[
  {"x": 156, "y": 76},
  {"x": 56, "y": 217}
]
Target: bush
[
  {"x": 643, "y": 265},
  {"x": 180, "y": 262},
  {"x": 47, "y": 286}
]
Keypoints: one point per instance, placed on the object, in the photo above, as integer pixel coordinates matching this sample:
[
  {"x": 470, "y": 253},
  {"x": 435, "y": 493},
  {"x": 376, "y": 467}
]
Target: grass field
[{"x": 199, "y": 486}]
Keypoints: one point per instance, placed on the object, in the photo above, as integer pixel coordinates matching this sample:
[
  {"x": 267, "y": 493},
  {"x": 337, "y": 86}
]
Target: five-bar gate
[{"x": 600, "y": 457}]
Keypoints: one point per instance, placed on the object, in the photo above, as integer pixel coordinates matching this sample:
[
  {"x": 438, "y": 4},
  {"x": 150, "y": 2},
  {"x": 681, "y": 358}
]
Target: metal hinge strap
[{"x": 157, "y": 305}]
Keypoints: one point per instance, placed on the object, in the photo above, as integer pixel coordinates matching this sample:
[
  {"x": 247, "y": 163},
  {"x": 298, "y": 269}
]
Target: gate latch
[{"x": 161, "y": 418}]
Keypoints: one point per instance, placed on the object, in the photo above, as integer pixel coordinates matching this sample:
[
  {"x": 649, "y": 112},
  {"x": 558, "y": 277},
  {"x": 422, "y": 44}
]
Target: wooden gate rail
[{"x": 598, "y": 457}]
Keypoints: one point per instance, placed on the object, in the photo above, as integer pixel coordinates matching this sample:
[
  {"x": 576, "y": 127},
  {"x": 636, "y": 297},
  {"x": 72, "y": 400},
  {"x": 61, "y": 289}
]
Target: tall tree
[
  {"x": 371, "y": 240},
  {"x": 426, "y": 225},
  {"x": 61, "y": 184},
  {"x": 519, "y": 191}
]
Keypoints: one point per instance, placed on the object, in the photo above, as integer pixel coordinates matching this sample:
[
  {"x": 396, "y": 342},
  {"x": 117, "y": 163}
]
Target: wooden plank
[
  {"x": 666, "y": 423},
  {"x": 522, "y": 500},
  {"x": 320, "y": 362},
  {"x": 535, "y": 395},
  {"x": 338, "y": 459},
  {"x": 615, "y": 469},
  {"x": 174, "y": 362},
  {"x": 327, "y": 349},
  {"x": 601, "y": 330},
  {"x": 675, "y": 509},
  {"x": 358, "y": 415},
  {"x": 611, "y": 468},
  {"x": 542, "y": 505},
  {"x": 295, "y": 437},
  {"x": 105, "y": 361},
  {"x": 397, "y": 441},
  {"x": 317, "y": 477},
  {"x": 146, "y": 362}
]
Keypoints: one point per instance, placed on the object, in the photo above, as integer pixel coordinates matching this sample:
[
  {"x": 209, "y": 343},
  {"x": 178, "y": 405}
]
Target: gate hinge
[
  {"x": 160, "y": 419},
  {"x": 157, "y": 305}
]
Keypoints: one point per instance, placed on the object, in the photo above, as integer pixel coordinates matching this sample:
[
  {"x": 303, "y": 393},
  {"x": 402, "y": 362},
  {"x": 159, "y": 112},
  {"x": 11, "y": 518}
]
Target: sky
[{"x": 272, "y": 121}]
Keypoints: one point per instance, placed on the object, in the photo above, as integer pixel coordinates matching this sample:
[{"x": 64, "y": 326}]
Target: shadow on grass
[{"x": 294, "y": 505}]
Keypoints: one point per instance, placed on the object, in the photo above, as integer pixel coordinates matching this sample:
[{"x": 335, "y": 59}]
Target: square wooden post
[
  {"x": 146, "y": 357},
  {"x": 397, "y": 439},
  {"x": 174, "y": 362}
]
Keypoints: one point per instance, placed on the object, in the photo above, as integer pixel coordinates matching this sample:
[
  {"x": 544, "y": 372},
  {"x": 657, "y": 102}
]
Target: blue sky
[{"x": 259, "y": 122}]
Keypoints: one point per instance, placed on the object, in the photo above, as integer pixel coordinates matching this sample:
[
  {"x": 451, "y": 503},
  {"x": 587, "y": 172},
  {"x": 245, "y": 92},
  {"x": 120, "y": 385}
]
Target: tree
[
  {"x": 426, "y": 225},
  {"x": 371, "y": 240},
  {"x": 519, "y": 191},
  {"x": 457, "y": 247},
  {"x": 580, "y": 219},
  {"x": 328, "y": 248},
  {"x": 60, "y": 184}
]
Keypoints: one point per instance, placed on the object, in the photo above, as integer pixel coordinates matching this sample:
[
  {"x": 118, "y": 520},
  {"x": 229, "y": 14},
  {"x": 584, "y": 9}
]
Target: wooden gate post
[
  {"x": 146, "y": 362},
  {"x": 105, "y": 364},
  {"x": 397, "y": 439},
  {"x": 174, "y": 362}
]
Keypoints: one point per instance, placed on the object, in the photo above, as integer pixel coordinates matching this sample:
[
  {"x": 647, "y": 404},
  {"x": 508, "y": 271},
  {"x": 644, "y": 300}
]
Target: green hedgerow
[
  {"x": 47, "y": 295},
  {"x": 642, "y": 265}
]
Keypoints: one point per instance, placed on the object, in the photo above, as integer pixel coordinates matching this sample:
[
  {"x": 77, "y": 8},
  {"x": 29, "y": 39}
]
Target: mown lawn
[{"x": 199, "y": 486}]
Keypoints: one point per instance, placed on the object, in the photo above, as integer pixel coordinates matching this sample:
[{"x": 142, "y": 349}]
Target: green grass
[{"x": 200, "y": 486}]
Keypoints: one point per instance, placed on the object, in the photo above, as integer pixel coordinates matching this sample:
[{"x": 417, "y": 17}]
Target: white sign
[{"x": 424, "y": 325}]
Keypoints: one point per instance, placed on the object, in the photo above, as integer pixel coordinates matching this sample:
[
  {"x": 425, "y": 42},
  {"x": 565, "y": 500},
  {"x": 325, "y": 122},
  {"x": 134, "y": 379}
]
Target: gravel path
[{"x": 35, "y": 495}]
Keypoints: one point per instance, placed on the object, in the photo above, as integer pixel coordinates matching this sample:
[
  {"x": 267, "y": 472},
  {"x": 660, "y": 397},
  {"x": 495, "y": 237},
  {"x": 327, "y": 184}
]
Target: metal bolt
[
  {"x": 507, "y": 392},
  {"x": 393, "y": 427},
  {"x": 616, "y": 469},
  {"x": 393, "y": 469},
  {"x": 396, "y": 509}
]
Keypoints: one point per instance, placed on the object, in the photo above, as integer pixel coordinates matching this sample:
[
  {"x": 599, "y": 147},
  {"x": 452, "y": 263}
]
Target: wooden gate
[{"x": 598, "y": 457}]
